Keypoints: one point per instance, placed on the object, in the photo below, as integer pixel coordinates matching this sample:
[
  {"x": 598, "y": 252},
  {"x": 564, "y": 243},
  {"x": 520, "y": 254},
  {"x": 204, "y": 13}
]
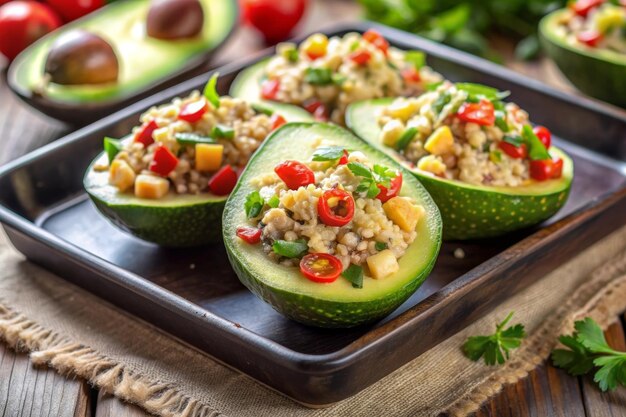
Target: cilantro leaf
[
  {"x": 372, "y": 190},
  {"x": 495, "y": 348},
  {"x": 254, "y": 204},
  {"x": 210, "y": 91},
  {"x": 354, "y": 274},
  {"x": 359, "y": 169},
  {"x": 328, "y": 153}
]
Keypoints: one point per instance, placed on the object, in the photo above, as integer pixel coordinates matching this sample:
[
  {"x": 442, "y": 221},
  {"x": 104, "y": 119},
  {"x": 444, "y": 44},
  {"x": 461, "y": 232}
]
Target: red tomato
[
  {"x": 516, "y": 152},
  {"x": 250, "y": 235},
  {"x": 22, "y": 23},
  {"x": 223, "y": 181},
  {"x": 295, "y": 174},
  {"x": 164, "y": 161},
  {"x": 193, "y": 111},
  {"x": 73, "y": 9},
  {"x": 411, "y": 75},
  {"x": 274, "y": 19},
  {"x": 318, "y": 110},
  {"x": 269, "y": 89},
  {"x": 590, "y": 38},
  {"x": 361, "y": 57},
  {"x": 481, "y": 113},
  {"x": 277, "y": 121},
  {"x": 144, "y": 134},
  {"x": 583, "y": 7},
  {"x": 544, "y": 135},
  {"x": 546, "y": 169},
  {"x": 335, "y": 208},
  {"x": 320, "y": 267},
  {"x": 375, "y": 38},
  {"x": 393, "y": 190},
  {"x": 344, "y": 159}
]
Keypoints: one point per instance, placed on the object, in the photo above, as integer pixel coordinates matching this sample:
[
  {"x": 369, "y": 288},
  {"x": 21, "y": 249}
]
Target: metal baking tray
[{"x": 194, "y": 295}]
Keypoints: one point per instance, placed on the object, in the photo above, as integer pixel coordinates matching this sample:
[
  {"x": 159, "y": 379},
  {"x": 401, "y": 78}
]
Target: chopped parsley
[
  {"x": 380, "y": 246},
  {"x": 495, "y": 347},
  {"x": 354, "y": 274},
  {"x": 328, "y": 153},
  {"x": 295, "y": 249},
  {"x": 254, "y": 204},
  {"x": 371, "y": 178}
]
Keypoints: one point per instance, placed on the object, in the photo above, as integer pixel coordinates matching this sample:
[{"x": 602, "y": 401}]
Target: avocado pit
[{"x": 174, "y": 19}]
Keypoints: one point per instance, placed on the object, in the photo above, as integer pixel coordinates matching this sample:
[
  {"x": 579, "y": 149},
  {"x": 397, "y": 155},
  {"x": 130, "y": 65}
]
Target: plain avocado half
[
  {"x": 337, "y": 304},
  {"x": 247, "y": 84},
  {"x": 145, "y": 62},
  {"x": 599, "y": 73},
  {"x": 471, "y": 211}
]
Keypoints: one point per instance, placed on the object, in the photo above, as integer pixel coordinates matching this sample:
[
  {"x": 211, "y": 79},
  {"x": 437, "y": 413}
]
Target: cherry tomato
[
  {"x": 583, "y": 7},
  {"x": 393, "y": 190},
  {"x": 251, "y": 235},
  {"x": 516, "y": 152},
  {"x": 546, "y": 169},
  {"x": 344, "y": 158},
  {"x": 295, "y": 174},
  {"x": 375, "y": 38},
  {"x": 277, "y": 121},
  {"x": 481, "y": 113},
  {"x": 274, "y": 19},
  {"x": 361, "y": 57},
  {"x": 193, "y": 111},
  {"x": 22, "y": 23},
  {"x": 223, "y": 181},
  {"x": 144, "y": 134},
  {"x": 544, "y": 135},
  {"x": 590, "y": 37},
  {"x": 335, "y": 208},
  {"x": 73, "y": 9},
  {"x": 410, "y": 75},
  {"x": 320, "y": 267},
  {"x": 269, "y": 89},
  {"x": 164, "y": 161},
  {"x": 318, "y": 110}
]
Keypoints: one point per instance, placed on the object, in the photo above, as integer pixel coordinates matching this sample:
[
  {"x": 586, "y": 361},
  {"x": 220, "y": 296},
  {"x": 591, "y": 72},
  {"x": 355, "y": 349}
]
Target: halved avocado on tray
[
  {"x": 335, "y": 304},
  {"x": 599, "y": 73},
  {"x": 471, "y": 211},
  {"x": 146, "y": 63},
  {"x": 247, "y": 84}
]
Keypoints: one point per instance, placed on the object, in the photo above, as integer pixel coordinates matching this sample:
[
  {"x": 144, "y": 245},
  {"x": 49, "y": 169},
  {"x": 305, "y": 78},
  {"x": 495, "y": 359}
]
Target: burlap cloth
[{"x": 76, "y": 333}]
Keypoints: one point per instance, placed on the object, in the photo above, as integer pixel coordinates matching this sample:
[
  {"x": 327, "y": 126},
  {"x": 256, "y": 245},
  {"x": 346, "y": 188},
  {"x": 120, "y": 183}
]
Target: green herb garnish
[
  {"x": 318, "y": 76},
  {"x": 379, "y": 175},
  {"x": 273, "y": 202},
  {"x": 441, "y": 102},
  {"x": 354, "y": 274},
  {"x": 513, "y": 140},
  {"x": 417, "y": 58},
  {"x": 501, "y": 121},
  {"x": 536, "y": 151},
  {"x": 380, "y": 246},
  {"x": 112, "y": 147},
  {"x": 192, "y": 138},
  {"x": 295, "y": 249},
  {"x": 478, "y": 91},
  {"x": 495, "y": 348},
  {"x": 292, "y": 55},
  {"x": 254, "y": 204},
  {"x": 210, "y": 91},
  {"x": 328, "y": 153},
  {"x": 406, "y": 138},
  {"x": 338, "y": 79},
  {"x": 222, "y": 131}
]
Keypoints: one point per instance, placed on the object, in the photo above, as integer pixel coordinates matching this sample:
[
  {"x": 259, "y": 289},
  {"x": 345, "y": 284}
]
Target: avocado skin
[{"x": 599, "y": 74}]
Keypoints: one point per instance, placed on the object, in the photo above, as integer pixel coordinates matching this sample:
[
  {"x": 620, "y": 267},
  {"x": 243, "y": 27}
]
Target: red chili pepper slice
[
  {"x": 295, "y": 174},
  {"x": 164, "y": 161},
  {"x": 546, "y": 169},
  {"x": 411, "y": 75},
  {"x": 277, "y": 121},
  {"x": 482, "y": 113},
  {"x": 193, "y": 111},
  {"x": 394, "y": 189},
  {"x": 544, "y": 135},
  {"x": 144, "y": 134},
  {"x": 223, "y": 181},
  {"x": 583, "y": 7},
  {"x": 516, "y": 152},
  {"x": 361, "y": 57},
  {"x": 335, "y": 208},
  {"x": 344, "y": 158},
  {"x": 269, "y": 89},
  {"x": 590, "y": 37},
  {"x": 251, "y": 235},
  {"x": 374, "y": 37},
  {"x": 320, "y": 267},
  {"x": 317, "y": 109}
]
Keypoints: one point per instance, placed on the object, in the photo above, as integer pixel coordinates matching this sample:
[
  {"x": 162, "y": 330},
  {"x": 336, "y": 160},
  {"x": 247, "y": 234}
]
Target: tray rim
[{"x": 330, "y": 362}]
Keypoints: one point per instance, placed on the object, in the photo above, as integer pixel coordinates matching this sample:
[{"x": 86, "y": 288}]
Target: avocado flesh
[
  {"x": 143, "y": 60},
  {"x": 473, "y": 211},
  {"x": 247, "y": 84},
  {"x": 599, "y": 73},
  {"x": 337, "y": 304}
]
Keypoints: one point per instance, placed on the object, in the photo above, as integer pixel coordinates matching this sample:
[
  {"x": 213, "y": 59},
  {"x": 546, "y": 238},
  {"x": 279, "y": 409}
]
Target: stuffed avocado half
[
  {"x": 487, "y": 169},
  {"x": 167, "y": 182},
  {"x": 326, "y": 229}
]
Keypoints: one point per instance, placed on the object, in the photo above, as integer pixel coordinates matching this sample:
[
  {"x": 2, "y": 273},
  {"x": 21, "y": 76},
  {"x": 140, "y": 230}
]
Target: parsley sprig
[
  {"x": 495, "y": 347},
  {"x": 587, "y": 349},
  {"x": 371, "y": 178}
]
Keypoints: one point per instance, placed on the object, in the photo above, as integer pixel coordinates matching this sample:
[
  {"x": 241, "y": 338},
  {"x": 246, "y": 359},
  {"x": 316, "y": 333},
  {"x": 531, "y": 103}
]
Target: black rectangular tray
[{"x": 194, "y": 295}]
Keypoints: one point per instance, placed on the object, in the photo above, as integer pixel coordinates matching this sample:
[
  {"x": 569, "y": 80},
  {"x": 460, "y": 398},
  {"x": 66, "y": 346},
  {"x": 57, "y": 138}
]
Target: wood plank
[
  {"x": 41, "y": 392},
  {"x": 109, "y": 406}
]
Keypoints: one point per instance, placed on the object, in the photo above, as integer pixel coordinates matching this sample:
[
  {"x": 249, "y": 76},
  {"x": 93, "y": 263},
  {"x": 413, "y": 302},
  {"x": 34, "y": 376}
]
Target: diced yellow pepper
[
  {"x": 383, "y": 264},
  {"x": 121, "y": 175},
  {"x": 151, "y": 186},
  {"x": 440, "y": 141},
  {"x": 610, "y": 17},
  {"x": 315, "y": 46},
  {"x": 401, "y": 109},
  {"x": 209, "y": 156},
  {"x": 431, "y": 163},
  {"x": 391, "y": 132},
  {"x": 403, "y": 213}
]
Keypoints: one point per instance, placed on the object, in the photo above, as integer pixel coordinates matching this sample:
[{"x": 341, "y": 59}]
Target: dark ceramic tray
[{"x": 195, "y": 296}]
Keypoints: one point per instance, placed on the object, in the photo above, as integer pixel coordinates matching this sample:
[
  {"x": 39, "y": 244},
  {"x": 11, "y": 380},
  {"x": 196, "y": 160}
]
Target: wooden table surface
[{"x": 29, "y": 391}]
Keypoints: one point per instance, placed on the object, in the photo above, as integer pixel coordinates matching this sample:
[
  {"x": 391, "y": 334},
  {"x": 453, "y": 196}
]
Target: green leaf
[
  {"x": 360, "y": 170},
  {"x": 528, "y": 48},
  {"x": 416, "y": 58},
  {"x": 373, "y": 190},
  {"x": 210, "y": 91},
  {"x": 478, "y": 91},
  {"x": 501, "y": 120},
  {"x": 380, "y": 246},
  {"x": 223, "y": 131},
  {"x": 338, "y": 79},
  {"x": 328, "y": 153},
  {"x": 453, "y": 19},
  {"x": 192, "y": 138},
  {"x": 318, "y": 76},
  {"x": 112, "y": 147},
  {"x": 495, "y": 348},
  {"x": 406, "y": 138},
  {"x": 441, "y": 102},
  {"x": 536, "y": 151},
  {"x": 591, "y": 336},
  {"x": 513, "y": 140},
  {"x": 354, "y": 274},
  {"x": 273, "y": 202},
  {"x": 287, "y": 249},
  {"x": 254, "y": 204}
]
